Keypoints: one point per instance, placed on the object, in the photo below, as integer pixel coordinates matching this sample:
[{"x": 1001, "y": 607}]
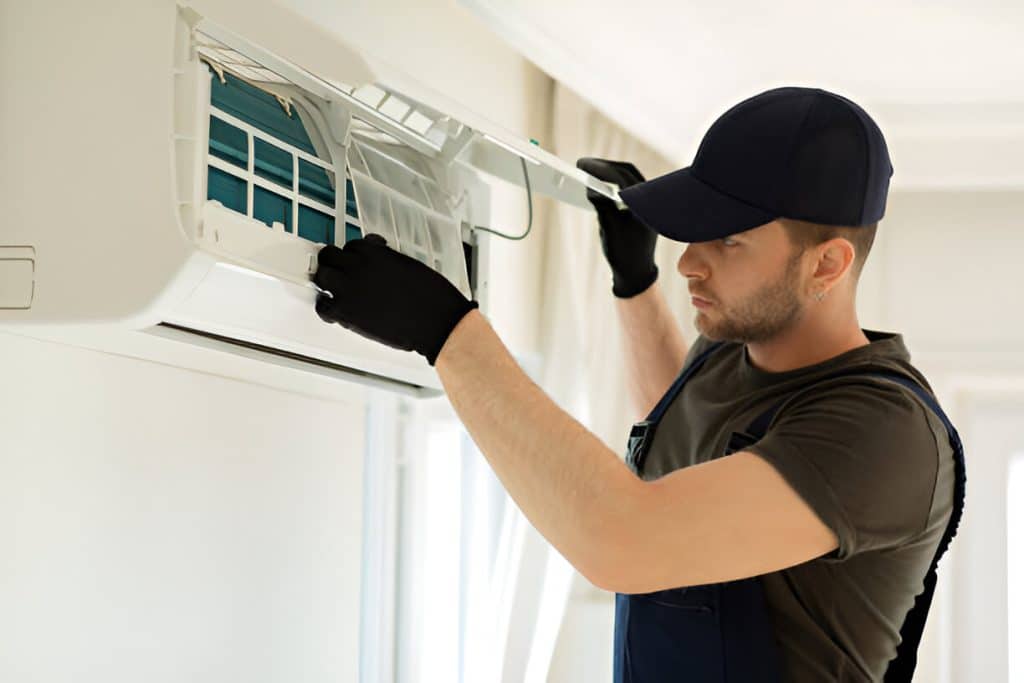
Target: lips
[{"x": 700, "y": 303}]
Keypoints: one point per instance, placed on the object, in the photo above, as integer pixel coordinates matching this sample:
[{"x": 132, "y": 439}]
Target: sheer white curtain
[
  {"x": 580, "y": 339},
  {"x": 581, "y": 342},
  {"x": 581, "y": 351}
]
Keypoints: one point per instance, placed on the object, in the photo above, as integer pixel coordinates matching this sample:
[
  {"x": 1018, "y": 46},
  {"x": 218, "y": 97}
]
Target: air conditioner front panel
[{"x": 241, "y": 304}]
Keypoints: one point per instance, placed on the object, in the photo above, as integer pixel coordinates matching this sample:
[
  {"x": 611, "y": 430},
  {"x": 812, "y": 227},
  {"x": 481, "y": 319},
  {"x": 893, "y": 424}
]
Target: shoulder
[
  {"x": 868, "y": 411},
  {"x": 702, "y": 345},
  {"x": 868, "y": 423},
  {"x": 870, "y": 389}
]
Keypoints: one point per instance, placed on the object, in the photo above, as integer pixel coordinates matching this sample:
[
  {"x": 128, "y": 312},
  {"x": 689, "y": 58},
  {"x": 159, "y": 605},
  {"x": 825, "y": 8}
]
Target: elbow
[
  {"x": 616, "y": 562},
  {"x": 634, "y": 573},
  {"x": 611, "y": 584},
  {"x": 594, "y": 562},
  {"x": 621, "y": 579},
  {"x": 601, "y": 573}
]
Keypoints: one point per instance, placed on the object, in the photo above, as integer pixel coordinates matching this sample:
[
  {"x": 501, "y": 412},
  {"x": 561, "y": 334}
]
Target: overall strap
[
  {"x": 901, "y": 669},
  {"x": 677, "y": 386}
]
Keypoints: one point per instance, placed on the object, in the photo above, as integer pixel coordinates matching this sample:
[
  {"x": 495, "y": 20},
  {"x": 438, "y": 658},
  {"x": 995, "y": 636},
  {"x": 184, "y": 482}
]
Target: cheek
[
  {"x": 737, "y": 280},
  {"x": 740, "y": 284}
]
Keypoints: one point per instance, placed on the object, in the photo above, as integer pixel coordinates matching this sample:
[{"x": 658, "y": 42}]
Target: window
[
  {"x": 1015, "y": 563},
  {"x": 458, "y": 554}
]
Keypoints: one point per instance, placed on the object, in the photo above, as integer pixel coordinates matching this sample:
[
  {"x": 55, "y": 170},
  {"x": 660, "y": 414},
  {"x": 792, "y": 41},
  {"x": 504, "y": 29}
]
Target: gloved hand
[
  {"x": 387, "y": 296},
  {"x": 627, "y": 243}
]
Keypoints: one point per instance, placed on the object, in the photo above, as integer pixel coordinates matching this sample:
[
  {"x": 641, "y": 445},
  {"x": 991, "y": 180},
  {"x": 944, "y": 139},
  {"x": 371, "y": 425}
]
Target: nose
[{"x": 691, "y": 264}]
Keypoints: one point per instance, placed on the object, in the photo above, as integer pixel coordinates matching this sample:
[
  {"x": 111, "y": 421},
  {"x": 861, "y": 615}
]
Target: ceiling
[{"x": 944, "y": 80}]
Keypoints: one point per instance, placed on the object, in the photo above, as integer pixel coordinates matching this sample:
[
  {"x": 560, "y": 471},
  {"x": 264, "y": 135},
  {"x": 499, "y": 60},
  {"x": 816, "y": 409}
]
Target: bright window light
[
  {"x": 458, "y": 561},
  {"x": 439, "y": 628},
  {"x": 483, "y": 512},
  {"x": 1015, "y": 564}
]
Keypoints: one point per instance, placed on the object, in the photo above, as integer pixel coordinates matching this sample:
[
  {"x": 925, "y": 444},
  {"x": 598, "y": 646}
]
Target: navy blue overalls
[{"x": 721, "y": 633}]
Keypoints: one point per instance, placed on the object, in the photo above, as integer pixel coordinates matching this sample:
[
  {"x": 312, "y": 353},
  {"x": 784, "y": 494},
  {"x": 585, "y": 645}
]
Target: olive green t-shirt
[{"x": 871, "y": 460}]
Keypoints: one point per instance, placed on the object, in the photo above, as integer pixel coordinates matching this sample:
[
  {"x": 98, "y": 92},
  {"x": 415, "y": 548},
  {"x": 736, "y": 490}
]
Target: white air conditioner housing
[{"x": 171, "y": 169}]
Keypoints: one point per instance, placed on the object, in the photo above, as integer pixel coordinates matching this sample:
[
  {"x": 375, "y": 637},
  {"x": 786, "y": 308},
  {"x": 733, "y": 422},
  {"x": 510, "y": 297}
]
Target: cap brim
[{"x": 683, "y": 208}]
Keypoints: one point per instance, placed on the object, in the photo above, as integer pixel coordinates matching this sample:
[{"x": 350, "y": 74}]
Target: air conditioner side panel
[{"x": 88, "y": 176}]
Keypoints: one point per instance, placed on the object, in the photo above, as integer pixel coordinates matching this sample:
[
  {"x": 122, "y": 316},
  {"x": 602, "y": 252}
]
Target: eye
[{"x": 730, "y": 242}]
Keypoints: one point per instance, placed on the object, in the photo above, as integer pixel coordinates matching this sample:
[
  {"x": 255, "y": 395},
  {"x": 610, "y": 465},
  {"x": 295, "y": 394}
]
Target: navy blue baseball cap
[{"x": 791, "y": 152}]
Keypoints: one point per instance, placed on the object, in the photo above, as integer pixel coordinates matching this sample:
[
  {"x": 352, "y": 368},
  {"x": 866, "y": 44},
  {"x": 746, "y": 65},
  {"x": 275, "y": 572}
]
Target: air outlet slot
[{"x": 286, "y": 359}]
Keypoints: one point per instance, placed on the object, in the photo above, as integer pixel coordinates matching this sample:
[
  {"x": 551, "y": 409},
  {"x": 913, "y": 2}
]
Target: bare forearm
[
  {"x": 571, "y": 486},
  {"x": 653, "y": 344}
]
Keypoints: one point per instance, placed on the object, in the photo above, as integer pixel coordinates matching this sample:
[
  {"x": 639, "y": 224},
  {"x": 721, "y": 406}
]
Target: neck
[{"x": 820, "y": 334}]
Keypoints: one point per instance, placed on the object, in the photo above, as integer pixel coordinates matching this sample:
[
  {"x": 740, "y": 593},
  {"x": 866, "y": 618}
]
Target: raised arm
[{"x": 653, "y": 345}]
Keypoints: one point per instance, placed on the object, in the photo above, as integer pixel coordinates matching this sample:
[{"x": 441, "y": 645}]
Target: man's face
[{"x": 753, "y": 281}]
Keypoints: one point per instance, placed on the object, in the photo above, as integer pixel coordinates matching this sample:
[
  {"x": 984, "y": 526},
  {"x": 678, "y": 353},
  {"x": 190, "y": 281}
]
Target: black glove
[
  {"x": 388, "y": 297},
  {"x": 627, "y": 243}
]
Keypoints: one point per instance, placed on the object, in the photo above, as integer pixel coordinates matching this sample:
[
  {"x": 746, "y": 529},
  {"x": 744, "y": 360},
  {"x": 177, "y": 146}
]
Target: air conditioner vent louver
[{"x": 288, "y": 359}]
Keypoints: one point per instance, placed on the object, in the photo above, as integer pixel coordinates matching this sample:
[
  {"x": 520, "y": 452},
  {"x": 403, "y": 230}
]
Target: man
[{"x": 780, "y": 521}]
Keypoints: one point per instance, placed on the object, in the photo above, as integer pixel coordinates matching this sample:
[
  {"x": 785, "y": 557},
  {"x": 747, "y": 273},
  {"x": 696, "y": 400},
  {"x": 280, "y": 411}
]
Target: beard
[{"x": 762, "y": 316}]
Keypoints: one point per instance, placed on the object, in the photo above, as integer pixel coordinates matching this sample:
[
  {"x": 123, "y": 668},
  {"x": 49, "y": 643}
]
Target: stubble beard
[{"x": 761, "y": 317}]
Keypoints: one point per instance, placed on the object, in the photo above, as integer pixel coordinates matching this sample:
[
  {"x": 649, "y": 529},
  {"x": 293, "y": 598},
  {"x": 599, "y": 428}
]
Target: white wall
[
  {"x": 946, "y": 271},
  {"x": 160, "y": 524}
]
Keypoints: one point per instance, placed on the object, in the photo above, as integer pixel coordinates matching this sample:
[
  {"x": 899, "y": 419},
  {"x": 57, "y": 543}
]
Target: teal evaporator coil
[{"x": 263, "y": 164}]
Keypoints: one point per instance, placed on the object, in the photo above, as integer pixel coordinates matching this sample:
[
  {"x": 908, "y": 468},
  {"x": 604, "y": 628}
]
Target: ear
[{"x": 834, "y": 259}]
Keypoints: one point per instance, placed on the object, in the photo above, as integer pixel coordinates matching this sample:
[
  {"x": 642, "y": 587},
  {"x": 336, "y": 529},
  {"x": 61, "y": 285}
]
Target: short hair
[{"x": 804, "y": 235}]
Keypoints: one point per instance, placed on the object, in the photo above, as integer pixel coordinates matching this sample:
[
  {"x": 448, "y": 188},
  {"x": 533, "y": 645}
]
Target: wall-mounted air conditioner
[{"x": 172, "y": 169}]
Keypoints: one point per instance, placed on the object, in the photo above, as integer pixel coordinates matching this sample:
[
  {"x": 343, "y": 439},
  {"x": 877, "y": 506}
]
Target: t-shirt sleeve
[{"x": 864, "y": 458}]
